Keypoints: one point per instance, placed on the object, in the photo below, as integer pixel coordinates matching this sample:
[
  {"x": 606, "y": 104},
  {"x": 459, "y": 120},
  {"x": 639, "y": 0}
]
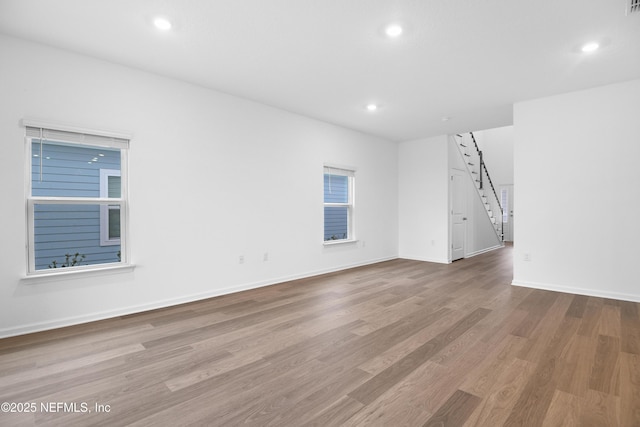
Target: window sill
[
  {"x": 49, "y": 276},
  {"x": 338, "y": 242}
]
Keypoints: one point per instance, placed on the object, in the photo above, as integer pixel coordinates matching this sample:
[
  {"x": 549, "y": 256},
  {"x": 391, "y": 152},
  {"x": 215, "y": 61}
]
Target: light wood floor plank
[
  {"x": 564, "y": 411},
  {"x": 501, "y": 392},
  {"x": 630, "y": 389}
]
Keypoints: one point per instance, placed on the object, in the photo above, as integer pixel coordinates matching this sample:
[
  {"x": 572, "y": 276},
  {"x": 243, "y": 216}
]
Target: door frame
[{"x": 452, "y": 221}]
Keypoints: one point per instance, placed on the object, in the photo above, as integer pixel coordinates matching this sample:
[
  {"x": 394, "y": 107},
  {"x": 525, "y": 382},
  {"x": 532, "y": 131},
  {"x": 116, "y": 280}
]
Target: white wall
[
  {"x": 578, "y": 203},
  {"x": 424, "y": 199},
  {"x": 497, "y": 149},
  {"x": 212, "y": 177}
]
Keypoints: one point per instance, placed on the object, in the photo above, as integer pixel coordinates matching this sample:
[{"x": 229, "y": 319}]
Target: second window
[{"x": 338, "y": 204}]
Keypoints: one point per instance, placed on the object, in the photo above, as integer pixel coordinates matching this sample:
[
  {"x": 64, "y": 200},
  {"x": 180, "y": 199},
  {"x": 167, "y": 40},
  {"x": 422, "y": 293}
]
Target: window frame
[
  {"x": 105, "y": 240},
  {"x": 350, "y": 173},
  {"x": 80, "y": 137},
  {"x": 504, "y": 204}
]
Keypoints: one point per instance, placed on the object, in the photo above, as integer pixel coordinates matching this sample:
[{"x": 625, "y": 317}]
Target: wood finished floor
[{"x": 396, "y": 343}]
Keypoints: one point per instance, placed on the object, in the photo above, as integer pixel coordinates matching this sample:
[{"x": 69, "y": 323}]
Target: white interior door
[
  {"x": 506, "y": 200},
  {"x": 458, "y": 213}
]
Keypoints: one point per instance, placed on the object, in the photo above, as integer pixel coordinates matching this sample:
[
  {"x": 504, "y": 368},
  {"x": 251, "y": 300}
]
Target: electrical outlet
[
  {"x": 266, "y": 256},
  {"x": 241, "y": 259},
  {"x": 527, "y": 257}
]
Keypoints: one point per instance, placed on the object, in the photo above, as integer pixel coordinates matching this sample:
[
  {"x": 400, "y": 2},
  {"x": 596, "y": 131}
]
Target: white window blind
[
  {"x": 330, "y": 170},
  {"x": 77, "y": 137}
]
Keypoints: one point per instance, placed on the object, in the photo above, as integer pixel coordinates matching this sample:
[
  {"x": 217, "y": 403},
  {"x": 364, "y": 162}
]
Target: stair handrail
[
  {"x": 483, "y": 165},
  {"x": 473, "y": 138}
]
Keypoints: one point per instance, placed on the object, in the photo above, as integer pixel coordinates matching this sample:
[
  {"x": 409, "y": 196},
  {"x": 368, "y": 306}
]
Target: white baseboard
[
  {"x": 578, "y": 291},
  {"x": 76, "y": 320},
  {"x": 482, "y": 251},
  {"x": 448, "y": 261},
  {"x": 425, "y": 259}
]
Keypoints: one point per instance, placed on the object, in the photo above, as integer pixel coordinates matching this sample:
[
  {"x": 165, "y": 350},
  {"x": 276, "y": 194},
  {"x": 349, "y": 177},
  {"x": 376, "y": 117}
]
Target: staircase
[{"x": 477, "y": 168}]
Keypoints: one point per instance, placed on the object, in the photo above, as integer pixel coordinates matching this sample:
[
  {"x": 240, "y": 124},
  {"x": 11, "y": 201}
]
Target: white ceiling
[{"x": 465, "y": 59}]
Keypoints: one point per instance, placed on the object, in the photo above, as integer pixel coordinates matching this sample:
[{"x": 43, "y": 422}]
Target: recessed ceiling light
[
  {"x": 590, "y": 47},
  {"x": 446, "y": 119},
  {"x": 393, "y": 30},
  {"x": 372, "y": 107},
  {"x": 162, "y": 24}
]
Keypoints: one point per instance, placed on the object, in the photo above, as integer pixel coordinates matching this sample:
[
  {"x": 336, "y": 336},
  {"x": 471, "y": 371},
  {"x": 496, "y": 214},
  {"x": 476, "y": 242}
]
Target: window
[
  {"x": 76, "y": 199},
  {"x": 504, "y": 203},
  {"x": 338, "y": 204},
  {"x": 110, "y": 187}
]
